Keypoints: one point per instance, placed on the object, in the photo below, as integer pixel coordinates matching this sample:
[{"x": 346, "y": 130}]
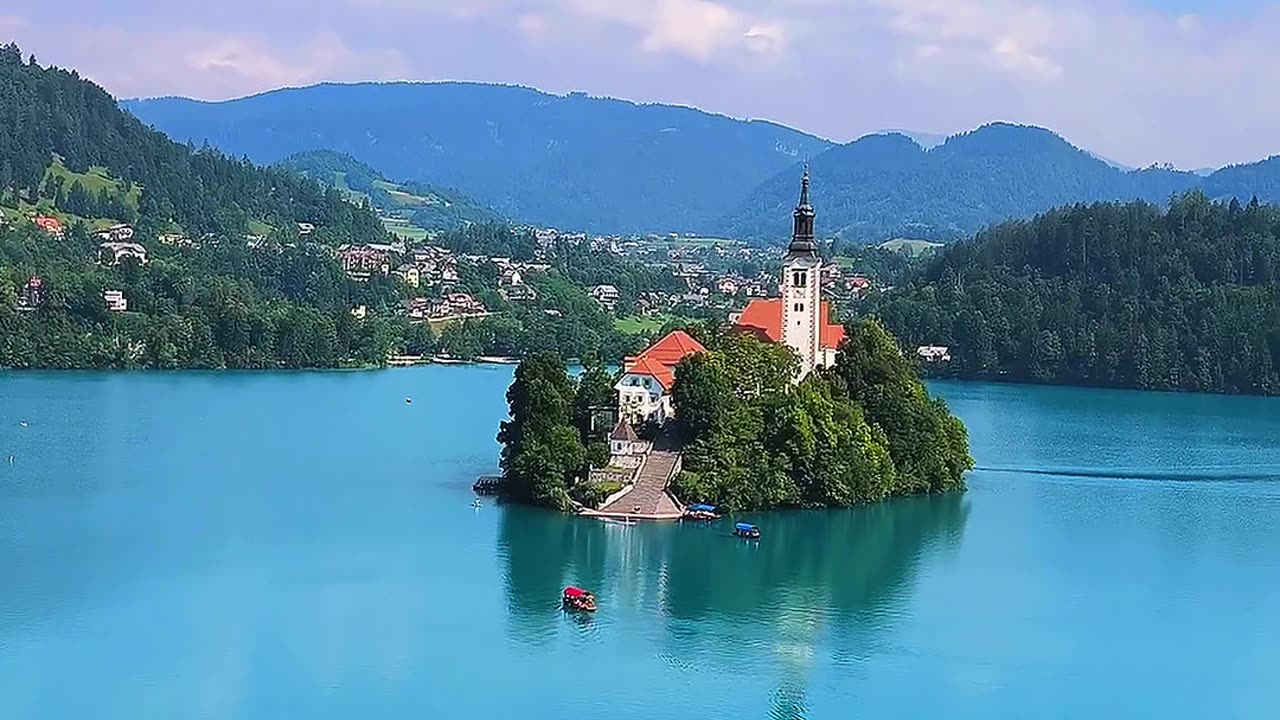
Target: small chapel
[{"x": 800, "y": 318}]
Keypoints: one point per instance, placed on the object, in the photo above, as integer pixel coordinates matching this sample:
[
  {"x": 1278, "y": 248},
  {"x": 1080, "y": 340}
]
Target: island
[{"x": 781, "y": 408}]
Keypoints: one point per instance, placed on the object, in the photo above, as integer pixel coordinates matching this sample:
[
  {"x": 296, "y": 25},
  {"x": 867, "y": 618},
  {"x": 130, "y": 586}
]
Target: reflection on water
[{"x": 820, "y": 583}]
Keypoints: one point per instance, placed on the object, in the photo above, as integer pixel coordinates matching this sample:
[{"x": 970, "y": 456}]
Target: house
[
  {"x": 409, "y": 274},
  {"x": 115, "y": 300},
  {"x": 510, "y": 278},
  {"x": 113, "y": 253},
  {"x": 50, "y": 225},
  {"x": 934, "y": 353},
  {"x": 175, "y": 239},
  {"x": 360, "y": 312},
  {"x": 519, "y": 293},
  {"x": 606, "y": 295},
  {"x": 463, "y": 304},
  {"x": 116, "y": 233},
  {"x": 362, "y": 261},
  {"x": 31, "y": 296},
  {"x": 800, "y": 319},
  {"x": 306, "y": 228},
  {"x": 727, "y": 286},
  {"x": 644, "y": 390}
]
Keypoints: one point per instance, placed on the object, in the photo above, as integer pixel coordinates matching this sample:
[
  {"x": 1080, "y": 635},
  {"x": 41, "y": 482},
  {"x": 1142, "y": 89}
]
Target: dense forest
[
  {"x": 861, "y": 432},
  {"x": 887, "y": 186},
  {"x": 49, "y": 114},
  {"x": 569, "y": 161},
  {"x": 1122, "y": 295}
]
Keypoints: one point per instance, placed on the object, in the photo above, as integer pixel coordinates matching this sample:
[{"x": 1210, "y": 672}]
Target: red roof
[
  {"x": 676, "y": 346},
  {"x": 660, "y": 360},
  {"x": 645, "y": 365},
  {"x": 764, "y": 318}
]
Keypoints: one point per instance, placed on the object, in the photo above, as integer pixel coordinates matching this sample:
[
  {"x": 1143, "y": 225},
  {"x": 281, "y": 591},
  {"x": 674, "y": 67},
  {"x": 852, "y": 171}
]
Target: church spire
[{"x": 802, "y": 228}]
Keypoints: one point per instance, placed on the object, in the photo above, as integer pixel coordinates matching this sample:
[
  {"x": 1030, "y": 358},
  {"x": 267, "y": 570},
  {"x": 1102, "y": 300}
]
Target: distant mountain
[
  {"x": 885, "y": 186},
  {"x": 420, "y": 205},
  {"x": 923, "y": 139},
  {"x": 570, "y": 161}
]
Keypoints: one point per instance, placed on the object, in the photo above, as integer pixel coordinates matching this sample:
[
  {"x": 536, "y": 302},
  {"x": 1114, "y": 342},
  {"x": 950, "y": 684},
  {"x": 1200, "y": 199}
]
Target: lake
[{"x": 226, "y": 545}]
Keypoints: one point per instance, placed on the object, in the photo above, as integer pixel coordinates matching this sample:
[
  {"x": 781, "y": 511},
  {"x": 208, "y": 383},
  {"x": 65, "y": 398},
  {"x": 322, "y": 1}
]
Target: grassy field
[
  {"x": 909, "y": 247},
  {"x": 643, "y": 325},
  {"x": 94, "y": 180},
  {"x": 402, "y": 228}
]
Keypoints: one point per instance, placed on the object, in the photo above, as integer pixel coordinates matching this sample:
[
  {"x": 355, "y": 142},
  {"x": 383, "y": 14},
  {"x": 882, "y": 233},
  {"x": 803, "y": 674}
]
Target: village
[{"x": 705, "y": 278}]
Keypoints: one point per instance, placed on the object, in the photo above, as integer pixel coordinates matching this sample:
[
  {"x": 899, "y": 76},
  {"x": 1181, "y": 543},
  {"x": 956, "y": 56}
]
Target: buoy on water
[{"x": 23, "y": 423}]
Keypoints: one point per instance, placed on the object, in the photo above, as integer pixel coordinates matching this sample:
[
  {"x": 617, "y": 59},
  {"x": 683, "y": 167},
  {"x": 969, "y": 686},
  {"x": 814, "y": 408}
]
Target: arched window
[{"x": 799, "y": 278}]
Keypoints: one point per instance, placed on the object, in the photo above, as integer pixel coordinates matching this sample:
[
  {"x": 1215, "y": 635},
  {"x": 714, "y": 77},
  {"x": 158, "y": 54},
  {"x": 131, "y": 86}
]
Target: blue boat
[
  {"x": 701, "y": 512},
  {"x": 746, "y": 530}
]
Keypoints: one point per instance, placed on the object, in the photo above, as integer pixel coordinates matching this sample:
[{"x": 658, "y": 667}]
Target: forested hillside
[
  {"x": 1124, "y": 295},
  {"x": 422, "y": 205},
  {"x": 571, "y": 161},
  {"x": 886, "y": 186}
]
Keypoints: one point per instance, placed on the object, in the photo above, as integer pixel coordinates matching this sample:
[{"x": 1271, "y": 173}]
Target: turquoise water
[{"x": 302, "y": 545}]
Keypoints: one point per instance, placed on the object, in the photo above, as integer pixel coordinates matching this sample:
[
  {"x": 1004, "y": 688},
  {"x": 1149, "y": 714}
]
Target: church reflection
[{"x": 831, "y": 578}]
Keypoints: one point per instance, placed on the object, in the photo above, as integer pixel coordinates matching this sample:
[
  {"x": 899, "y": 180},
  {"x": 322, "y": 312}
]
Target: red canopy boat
[{"x": 575, "y": 598}]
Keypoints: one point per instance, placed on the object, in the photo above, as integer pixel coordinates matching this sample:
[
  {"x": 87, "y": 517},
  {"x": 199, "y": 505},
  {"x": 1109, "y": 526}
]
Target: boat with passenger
[
  {"x": 746, "y": 530},
  {"x": 701, "y": 512},
  {"x": 579, "y": 600}
]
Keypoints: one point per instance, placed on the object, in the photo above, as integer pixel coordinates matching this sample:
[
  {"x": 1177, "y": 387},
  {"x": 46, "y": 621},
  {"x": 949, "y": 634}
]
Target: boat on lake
[
  {"x": 578, "y": 600},
  {"x": 701, "y": 512},
  {"x": 746, "y": 530}
]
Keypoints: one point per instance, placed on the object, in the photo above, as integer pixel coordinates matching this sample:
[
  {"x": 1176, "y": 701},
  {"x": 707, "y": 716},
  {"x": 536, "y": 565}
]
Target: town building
[
  {"x": 362, "y": 261},
  {"x": 115, "y": 300},
  {"x": 174, "y": 239},
  {"x": 32, "y": 294},
  {"x": 306, "y": 228},
  {"x": 934, "y": 353},
  {"x": 113, "y": 253},
  {"x": 49, "y": 224},
  {"x": 116, "y": 233},
  {"x": 644, "y": 390},
  {"x": 800, "y": 318},
  {"x": 606, "y": 295},
  {"x": 409, "y": 274}
]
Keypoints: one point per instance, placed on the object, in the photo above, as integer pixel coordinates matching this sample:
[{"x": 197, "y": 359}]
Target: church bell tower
[{"x": 802, "y": 286}]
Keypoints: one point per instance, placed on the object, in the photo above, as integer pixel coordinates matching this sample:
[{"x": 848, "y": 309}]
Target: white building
[
  {"x": 644, "y": 390},
  {"x": 800, "y": 319},
  {"x": 606, "y": 295},
  {"x": 934, "y": 353},
  {"x": 115, "y": 252},
  {"x": 115, "y": 300}
]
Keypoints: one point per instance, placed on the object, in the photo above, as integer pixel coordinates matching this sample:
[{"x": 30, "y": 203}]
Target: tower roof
[{"x": 802, "y": 243}]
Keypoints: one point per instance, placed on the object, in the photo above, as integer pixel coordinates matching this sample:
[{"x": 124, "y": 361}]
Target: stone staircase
[{"x": 649, "y": 497}]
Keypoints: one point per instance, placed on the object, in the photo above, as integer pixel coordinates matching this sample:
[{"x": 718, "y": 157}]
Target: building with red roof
[
  {"x": 800, "y": 319},
  {"x": 644, "y": 391}
]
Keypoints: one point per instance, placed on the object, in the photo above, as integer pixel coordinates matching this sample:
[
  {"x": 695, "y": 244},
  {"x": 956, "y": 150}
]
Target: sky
[{"x": 1136, "y": 81}]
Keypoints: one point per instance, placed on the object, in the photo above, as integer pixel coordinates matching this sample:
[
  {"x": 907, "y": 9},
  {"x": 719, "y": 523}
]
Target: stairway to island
[{"x": 649, "y": 499}]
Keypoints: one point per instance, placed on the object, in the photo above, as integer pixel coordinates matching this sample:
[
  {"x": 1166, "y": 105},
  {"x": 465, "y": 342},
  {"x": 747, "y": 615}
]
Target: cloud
[{"x": 1127, "y": 80}]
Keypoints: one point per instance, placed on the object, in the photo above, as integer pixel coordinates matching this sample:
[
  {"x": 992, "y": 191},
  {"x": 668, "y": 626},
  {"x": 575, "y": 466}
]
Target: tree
[{"x": 542, "y": 451}]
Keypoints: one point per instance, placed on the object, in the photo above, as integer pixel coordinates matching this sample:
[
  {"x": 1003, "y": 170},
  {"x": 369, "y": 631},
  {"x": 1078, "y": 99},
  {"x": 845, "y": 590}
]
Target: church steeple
[{"x": 802, "y": 243}]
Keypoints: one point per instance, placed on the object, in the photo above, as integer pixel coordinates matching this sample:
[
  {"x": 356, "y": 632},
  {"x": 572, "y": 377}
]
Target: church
[{"x": 800, "y": 318}]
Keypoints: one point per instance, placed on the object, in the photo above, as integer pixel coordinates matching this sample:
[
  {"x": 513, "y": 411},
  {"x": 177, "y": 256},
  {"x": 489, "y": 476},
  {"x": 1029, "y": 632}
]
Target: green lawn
[
  {"x": 93, "y": 180},
  {"x": 643, "y": 325},
  {"x": 402, "y": 228},
  {"x": 909, "y": 247}
]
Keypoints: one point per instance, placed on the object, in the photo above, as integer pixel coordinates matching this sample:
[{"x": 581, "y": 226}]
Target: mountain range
[
  {"x": 572, "y": 161},
  {"x": 606, "y": 165}
]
